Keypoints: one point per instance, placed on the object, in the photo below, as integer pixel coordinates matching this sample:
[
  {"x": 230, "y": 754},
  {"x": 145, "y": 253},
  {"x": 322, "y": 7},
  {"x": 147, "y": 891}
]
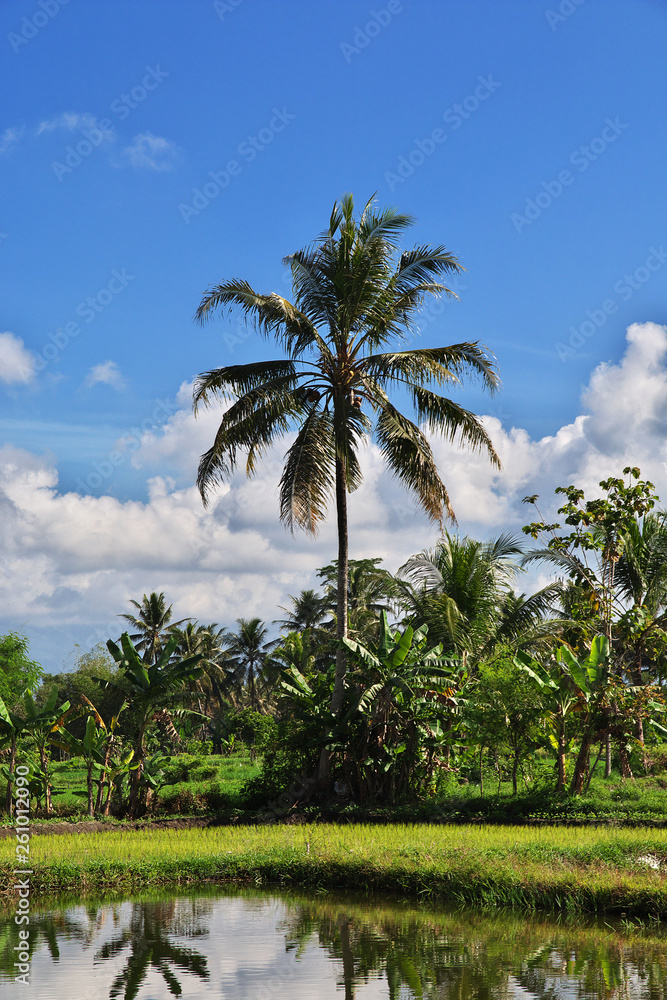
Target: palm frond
[
  {"x": 307, "y": 481},
  {"x": 409, "y": 456}
]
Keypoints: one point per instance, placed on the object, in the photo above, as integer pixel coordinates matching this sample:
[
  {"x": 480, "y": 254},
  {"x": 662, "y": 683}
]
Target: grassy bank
[{"x": 556, "y": 869}]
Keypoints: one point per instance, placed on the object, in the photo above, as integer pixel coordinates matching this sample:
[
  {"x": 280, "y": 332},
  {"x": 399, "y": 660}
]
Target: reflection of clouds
[
  {"x": 265, "y": 948},
  {"x": 242, "y": 941}
]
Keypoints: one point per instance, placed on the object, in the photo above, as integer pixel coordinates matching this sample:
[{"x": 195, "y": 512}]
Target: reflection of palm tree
[
  {"x": 52, "y": 928},
  {"x": 148, "y": 939}
]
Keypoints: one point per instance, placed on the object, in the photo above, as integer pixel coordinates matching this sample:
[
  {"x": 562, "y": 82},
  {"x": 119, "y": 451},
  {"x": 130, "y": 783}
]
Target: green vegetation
[
  {"x": 555, "y": 869},
  {"x": 439, "y": 691}
]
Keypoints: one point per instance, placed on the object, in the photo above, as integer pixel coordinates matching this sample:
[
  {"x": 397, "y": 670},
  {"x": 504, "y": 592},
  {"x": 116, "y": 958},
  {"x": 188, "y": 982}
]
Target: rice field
[{"x": 557, "y": 869}]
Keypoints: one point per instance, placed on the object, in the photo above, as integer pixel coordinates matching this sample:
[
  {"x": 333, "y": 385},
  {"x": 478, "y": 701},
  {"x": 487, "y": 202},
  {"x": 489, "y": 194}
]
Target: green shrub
[{"x": 288, "y": 757}]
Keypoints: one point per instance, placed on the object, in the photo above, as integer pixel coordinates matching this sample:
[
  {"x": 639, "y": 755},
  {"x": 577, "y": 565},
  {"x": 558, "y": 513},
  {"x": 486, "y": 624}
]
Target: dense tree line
[{"x": 450, "y": 670}]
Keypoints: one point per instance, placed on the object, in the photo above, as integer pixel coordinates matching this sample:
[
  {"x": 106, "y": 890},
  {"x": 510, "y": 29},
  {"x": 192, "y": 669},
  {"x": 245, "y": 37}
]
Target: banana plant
[
  {"x": 408, "y": 699},
  {"x": 153, "y": 691},
  {"x": 42, "y": 725},
  {"x": 573, "y": 685}
]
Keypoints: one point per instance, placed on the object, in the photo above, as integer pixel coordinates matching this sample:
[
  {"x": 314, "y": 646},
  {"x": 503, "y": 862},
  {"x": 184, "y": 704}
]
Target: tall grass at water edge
[{"x": 558, "y": 869}]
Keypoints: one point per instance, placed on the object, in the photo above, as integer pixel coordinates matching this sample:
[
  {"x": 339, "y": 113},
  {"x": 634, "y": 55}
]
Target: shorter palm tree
[
  {"x": 248, "y": 649},
  {"x": 462, "y": 589},
  {"x": 152, "y": 623}
]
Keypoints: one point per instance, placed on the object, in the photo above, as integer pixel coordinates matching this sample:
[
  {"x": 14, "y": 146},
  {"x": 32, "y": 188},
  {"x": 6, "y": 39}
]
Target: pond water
[{"x": 253, "y": 945}]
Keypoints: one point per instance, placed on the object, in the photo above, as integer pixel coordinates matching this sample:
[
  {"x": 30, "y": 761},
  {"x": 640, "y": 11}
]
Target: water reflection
[
  {"x": 149, "y": 938},
  {"x": 254, "y": 946}
]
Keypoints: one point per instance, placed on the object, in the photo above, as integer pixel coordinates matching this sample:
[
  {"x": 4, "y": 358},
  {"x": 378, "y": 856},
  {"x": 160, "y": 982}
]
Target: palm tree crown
[
  {"x": 153, "y": 624},
  {"x": 353, "y": 293}
]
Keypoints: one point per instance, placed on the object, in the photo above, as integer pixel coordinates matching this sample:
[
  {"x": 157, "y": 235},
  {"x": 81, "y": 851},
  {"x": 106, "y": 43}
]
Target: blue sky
[{"x": 527, "y": 138}]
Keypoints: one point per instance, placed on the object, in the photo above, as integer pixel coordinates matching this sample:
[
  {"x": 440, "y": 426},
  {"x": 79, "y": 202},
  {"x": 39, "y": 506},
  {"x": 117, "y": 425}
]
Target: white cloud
[
  {"x": 148, "y": 151},
  {"x": 72, "y": 121},
  {"x": 16, "y": 363},
  {"x": 108, "y": 373},
  {"x": 76, "y": 560},
  {"x": 10, "y": 138}
]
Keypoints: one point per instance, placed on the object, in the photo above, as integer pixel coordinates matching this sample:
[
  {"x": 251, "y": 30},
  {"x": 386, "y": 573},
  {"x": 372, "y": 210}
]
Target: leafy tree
[
  {"x": 217, "y": 673},
  {"x": 405, "y": 693},
  {"x": 18, "y": 673},
  {"x": 353, "y": 295},
  {"x": 80, "y": 687},
  {"x": 613, "y": 555},
  {"x": 509, "y": 711},
  {"x": 308, "y": 611}
]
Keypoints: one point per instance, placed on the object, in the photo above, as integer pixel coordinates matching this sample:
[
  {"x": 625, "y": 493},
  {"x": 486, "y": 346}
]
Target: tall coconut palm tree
[
  {"x": 308, "y": 611},
  {"x": 153, "y": 624},
  {"x": 353, "y": 294},
  {"x": 207, "y": 640},
  {"x": 247, "y": 649}
]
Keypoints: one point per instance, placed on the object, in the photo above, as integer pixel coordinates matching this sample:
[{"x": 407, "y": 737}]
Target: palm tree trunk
[
  {"x": 607, "y": 763},
  {"x": 44, "y": 761},
  {"x": 9, "y": 800},
  {"x": 341, "y": 607},
  {"x": 341, "y": 610},
  {"x": 89, "y": 778}
]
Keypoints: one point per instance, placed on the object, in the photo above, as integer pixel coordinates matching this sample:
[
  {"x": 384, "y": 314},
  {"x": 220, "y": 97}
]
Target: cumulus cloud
[
  {"x": 108, "y": 373},
  {"x": 10, "y": 138},
  {"x": 17, "y": 364},
  {"x": 151, "y": 152},
  {"x": 72, "y": 121},
  {"x": 72, "y": 559}
]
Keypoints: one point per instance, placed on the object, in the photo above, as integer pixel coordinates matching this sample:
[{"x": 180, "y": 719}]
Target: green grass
[
  {"x": 557, "y": 869},
  {"x": 197, "y": 785}
]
